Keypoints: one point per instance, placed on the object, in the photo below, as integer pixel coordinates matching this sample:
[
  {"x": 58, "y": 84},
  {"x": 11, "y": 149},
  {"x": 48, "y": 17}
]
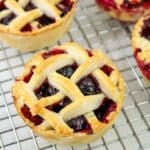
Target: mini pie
[
  {"x": 125, "y": 10},
  {"x": 141, "y": 45},
  {"x": 34, "y": 24},
  {"x": 69, "y": 95}
]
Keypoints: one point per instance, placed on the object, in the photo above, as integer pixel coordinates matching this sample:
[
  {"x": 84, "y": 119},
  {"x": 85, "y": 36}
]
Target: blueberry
[
  {"x": 45, "y": 90},
  {"x": 89, "y": 86},
  {"x": 80, "y": 124},
  {"x": 67, "y": 71}
]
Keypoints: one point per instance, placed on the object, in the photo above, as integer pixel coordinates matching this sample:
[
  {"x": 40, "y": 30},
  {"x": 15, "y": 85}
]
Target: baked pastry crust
[
  {"x": 39, "y": 37},
  {"x": 125, "y": 10},
  {"x": 55, "y": 126},
  {"x": 141, "y": 46}
]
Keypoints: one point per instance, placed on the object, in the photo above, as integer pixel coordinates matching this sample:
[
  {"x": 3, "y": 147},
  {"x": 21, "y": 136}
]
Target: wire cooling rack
[{"x": 93, "y": 29}]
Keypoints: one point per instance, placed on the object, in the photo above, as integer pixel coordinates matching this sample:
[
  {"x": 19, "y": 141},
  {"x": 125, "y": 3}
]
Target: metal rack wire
[{"x": 93, "y": 29}]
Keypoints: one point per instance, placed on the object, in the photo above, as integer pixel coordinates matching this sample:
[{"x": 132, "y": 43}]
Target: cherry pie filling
[
  {"x": 107, "y": 4},
  {"x": 89, "y": 53},
  {"x": 88, "y": 86},
  {"x": 146, "y": 29},
  {"x": 36, "y": 120},
  {"x": 107, "y": 69},
  {"x": 27, "y": 78},
  {"x": 26, "y": 28},
  {"x": 53, "y": 52},
  {"x": 127, "y": 5},
  {"x": 64, "y": 6},
  {"x": 2, "y": 6}
]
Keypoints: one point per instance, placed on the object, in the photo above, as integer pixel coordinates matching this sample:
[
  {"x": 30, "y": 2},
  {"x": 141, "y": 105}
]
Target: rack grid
[{"x": 94, "y": 30}]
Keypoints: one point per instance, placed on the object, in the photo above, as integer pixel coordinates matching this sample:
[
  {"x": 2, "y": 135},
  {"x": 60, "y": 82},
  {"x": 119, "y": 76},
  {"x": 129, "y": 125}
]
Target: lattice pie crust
[
  {"x": 69, "y": 95},
  {"x": 34, "y": 24}
]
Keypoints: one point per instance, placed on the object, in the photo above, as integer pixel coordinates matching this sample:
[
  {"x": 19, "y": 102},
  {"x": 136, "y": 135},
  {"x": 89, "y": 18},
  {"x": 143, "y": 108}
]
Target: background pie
[
  {"x": 125, "y": 10},
  {"x": 34, "y": 24}
]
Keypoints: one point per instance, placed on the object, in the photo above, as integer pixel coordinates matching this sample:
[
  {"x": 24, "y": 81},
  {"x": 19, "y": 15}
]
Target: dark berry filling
[
  {"x": 28, "y": 76},
  {"x": 45, "y": 20},
  {"x": 146, "y": 29},
  {"x": 128, "y": 5},
  {"x": 89, "y": 85},
  {"x": 131, "y": 6},
  {"x": 105, "y": 109},
  {"x": 65, "y": 6},
  {"x": 67, "y": 71},
  {"x": 66, "y": 2},
  {"x": 45, "y": 90},
  {"x": 59, "y": 105},
  {"x": 27, "y": 28},
  {"x": 138, "y": 50},
  {"x": 107, "y": 69},
  {"x": 8, "y": 19},
  {"x": 54, "y": 52},
  {"x": 146, "y": 4},
  {"x": 2, "y": 6},
  {"x": 36, "y": 120},
  {"x": 145, "y": 67},
  {"x": 80, "y": 124},
  {"x": 89, "y": 53},
  {"x": 29, "y": 7}
]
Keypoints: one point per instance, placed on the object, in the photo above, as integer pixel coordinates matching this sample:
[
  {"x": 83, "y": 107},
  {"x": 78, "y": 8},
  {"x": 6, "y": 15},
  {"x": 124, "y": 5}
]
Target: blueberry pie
[
  {"x": 125, "y": 10},
  {"x": 34, "y": 24},
  {"x": 141, "y": 45},
  {"x": 69, "y": 95}
]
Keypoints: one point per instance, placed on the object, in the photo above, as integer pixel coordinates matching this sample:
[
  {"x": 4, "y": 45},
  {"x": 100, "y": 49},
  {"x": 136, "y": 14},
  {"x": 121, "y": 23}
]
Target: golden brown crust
[
  {"x": 38, "y": 38},
  {"x": 60, "y": 133}
]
